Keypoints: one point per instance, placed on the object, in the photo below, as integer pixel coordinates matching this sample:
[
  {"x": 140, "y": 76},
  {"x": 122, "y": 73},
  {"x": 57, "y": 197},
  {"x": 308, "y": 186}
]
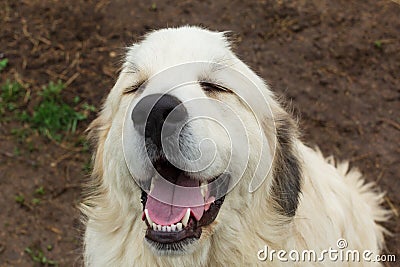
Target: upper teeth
[
  {"x": 203, "y": 188},
  {"x": 169, "y": 228},
  {"x": 146, "y": 211},
  {"x": 152, "y": 184},
  {"x": 185, "y": 218}
]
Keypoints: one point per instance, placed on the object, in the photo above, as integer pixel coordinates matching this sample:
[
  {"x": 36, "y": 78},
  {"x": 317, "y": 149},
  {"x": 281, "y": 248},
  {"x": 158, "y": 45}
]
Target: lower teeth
[{"x": 167, "y": 228}]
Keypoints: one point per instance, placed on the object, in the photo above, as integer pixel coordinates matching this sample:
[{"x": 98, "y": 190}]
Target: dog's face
[{"x": 183, "y": 139}]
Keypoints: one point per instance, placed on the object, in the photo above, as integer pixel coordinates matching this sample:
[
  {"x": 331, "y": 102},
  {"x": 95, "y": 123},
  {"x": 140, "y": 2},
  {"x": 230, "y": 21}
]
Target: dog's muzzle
[{"x": 175, "y": 205}]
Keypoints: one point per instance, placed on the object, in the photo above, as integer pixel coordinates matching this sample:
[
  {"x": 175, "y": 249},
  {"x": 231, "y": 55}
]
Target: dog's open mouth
[{"x": 178, "y": 206}]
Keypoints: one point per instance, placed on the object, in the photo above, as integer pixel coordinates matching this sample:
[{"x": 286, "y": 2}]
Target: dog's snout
[{"x": 157, "y": 114}]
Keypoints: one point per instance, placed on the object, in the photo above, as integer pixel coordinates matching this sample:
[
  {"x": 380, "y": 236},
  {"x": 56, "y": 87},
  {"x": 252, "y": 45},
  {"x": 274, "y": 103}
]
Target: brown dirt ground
[{"x": 320, "y": 54}]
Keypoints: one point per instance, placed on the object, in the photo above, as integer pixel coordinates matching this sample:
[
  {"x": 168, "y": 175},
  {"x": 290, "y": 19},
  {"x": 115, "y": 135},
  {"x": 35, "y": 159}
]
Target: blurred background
[{"x": 337, "y": 62}]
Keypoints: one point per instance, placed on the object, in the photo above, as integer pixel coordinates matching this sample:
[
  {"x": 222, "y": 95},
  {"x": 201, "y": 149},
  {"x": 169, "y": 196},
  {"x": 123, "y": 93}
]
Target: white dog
[{"x": 197, "y": 164}]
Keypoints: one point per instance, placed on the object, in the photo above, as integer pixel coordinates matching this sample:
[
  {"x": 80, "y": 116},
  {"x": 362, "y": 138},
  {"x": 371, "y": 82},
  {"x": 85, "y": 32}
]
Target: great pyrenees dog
[{"x": 197, "y": 163}]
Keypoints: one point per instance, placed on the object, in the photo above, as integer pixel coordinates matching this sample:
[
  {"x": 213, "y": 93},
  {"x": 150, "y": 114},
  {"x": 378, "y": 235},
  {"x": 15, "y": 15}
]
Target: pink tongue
[{"x": 167, "y": 203}]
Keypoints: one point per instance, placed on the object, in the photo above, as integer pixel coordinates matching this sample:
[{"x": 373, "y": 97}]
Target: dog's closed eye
[
  {"x": 133, "y": 88},
  {"x": 209, "y": 87}
]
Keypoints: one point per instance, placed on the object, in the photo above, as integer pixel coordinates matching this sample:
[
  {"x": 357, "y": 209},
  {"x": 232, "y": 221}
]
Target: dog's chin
[
  {"x": 183, "y": 247},
  {"x": 182, "y": 234}
]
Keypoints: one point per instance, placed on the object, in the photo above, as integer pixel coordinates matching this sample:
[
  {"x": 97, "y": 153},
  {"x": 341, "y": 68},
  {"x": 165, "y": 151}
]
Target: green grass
[
  {"x": 10, "y": 95},
  {"x": 3, "y": 63},
  {"x": 47, "y": 114},
  {"x": 35, "y": 201},
  {"x": 53, "y": 117},
  {"x": 20, "y": 199},
  {"x": 378, "y": 44},
  {"x": 40, "y": 191},
  {"x": 38, "y": 256}
]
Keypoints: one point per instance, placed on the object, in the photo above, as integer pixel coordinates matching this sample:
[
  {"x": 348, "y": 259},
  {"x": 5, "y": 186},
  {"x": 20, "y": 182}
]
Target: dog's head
[{"x": 186, "y": 137}]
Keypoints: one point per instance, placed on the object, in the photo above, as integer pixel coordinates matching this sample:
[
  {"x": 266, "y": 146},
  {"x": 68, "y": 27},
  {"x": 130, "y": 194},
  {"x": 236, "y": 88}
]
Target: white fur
[{"x": 334, "y": 201}]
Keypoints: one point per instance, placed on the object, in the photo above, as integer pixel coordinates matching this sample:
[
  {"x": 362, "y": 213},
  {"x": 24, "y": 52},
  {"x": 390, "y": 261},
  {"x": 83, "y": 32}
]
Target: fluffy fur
[{"x": 306, "y": 202}]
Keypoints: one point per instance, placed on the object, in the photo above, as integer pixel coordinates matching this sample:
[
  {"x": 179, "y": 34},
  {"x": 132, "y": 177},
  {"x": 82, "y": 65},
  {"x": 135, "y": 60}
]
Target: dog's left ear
[{"x": 287, "y": 173}]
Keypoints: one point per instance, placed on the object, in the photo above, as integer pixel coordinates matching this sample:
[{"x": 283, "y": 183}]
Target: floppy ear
[
  {"x": 287, "y": 173},
  {"x": 98, "y": 131},
  {"x": 96, "y": 134},
  {"x": 280, "y": 132}
]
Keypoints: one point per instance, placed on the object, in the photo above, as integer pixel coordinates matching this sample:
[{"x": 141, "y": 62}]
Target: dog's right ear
[
  {"x": 98, "y": 130},
  {"x": 99, "y": 127}
]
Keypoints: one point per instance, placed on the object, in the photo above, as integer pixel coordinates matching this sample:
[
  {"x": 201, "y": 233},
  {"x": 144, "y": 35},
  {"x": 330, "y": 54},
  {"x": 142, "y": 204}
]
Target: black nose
[{"x": 150, "y": 116}]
